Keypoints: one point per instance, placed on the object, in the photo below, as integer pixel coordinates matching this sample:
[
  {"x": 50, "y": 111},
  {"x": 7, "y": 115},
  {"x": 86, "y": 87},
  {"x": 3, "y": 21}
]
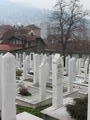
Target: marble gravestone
[
  {"x": 57, "y": 75},
  {"x": 67, "y": 61},
  {"x": 0, "y": 84},
  {"x": 86, "y": 70},
  {"x": 36, "y": 68},
  {"x": 31, "y": 56},
  {"x": 43, "y": 77},
  {"x": 78, "y": 66},
  {"x": 24, "y": 56},
  {"x": 72, "y": 73},
  {"x": 28, "y": 63},
  {"x": 88, "y": 114},
  {"x": 8, "y": 83},
  {"x": 25, "y": 69}
]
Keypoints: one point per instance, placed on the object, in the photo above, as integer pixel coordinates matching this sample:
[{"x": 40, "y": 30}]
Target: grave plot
[
  {"x": 8, "y": 90},
  {"x": 78, "y": 74},
  {"x": 39, "y": 96},
  {"x": 30, "y": 67},
  {"x": 25, "y": 68},
  {"x": 41, "y": 92},
  {"x": 33, "y": 100},
  {"x": 73, "y": 80},
  {"x": 67, "y": 79},
  {"x": 77, "y": 84},
  {"x": 58, "y": 111},
  {"x": 42, "y": 87},
  {"x": 27, "y": 75},
  {"x": 61, "y": 113}
]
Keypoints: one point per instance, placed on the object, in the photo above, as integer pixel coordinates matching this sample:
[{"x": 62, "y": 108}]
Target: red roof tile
[{"x": 9, "y": 47}]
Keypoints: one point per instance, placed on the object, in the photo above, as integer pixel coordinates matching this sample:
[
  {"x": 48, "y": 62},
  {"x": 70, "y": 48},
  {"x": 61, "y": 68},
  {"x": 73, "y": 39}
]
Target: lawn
[{"x": 35, "y": 112}]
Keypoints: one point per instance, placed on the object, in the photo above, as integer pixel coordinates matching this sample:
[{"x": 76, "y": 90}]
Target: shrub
[
  {"x": 24, "y": 91},
  {"x": 18, "y": 72},
  {"x": 78, "y": 110}
]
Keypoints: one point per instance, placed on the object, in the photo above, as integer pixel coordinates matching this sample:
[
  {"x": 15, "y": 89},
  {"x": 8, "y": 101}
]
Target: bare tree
[{"x": 69, "y": 20}]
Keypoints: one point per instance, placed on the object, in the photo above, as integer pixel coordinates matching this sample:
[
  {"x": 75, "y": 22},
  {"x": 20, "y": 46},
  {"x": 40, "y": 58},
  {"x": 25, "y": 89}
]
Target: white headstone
[
  {"x": 36, "y": 68},
  {"x": 78, "y": 66},
  {"x": 86, "y": 69},
  {"x": 28, "y": 63},
  {"x": 25, "y": 70},
  {"x": 67, "y": 62},
  {"x": 50, "y": 62},
  {"x": 82, "y": 62},
  {"x": 31, "y": 62},
  {"x": 8, "y": 87},
  {"x": 17, "y": 56},
  {"x": 72, "y": 73},
  {"x": 57, "y": 76},
  {"x": 24, "y": 56},
  {"x": 0, "y": 82},
  {"x": 21, "y": 60},
  {"x": 43, "y": 76},
  {"x": 88, "y": 114},
  {"x": 50, "y": 57},
  {"x": 17, "y": 60}
]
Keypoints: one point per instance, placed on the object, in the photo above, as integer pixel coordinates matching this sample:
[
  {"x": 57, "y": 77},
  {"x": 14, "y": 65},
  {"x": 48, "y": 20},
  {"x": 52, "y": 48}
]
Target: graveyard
[
  {"x": 45, "y": 60},
  {"x": 40, "y": 88}
]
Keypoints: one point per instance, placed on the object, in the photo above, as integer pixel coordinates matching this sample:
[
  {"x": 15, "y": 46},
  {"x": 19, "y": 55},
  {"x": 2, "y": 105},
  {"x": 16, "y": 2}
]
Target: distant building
[
  {"x": 21, "y": 36},
  {"x": 35, "y": 29}
]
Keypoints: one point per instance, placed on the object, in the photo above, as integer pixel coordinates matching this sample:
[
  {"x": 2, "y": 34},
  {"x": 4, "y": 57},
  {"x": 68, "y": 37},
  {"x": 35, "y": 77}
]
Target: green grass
[{"x": 35, "y": 112}]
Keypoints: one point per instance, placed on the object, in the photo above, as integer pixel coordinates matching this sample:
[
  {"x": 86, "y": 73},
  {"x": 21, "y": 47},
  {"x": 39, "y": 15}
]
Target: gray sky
[{"x": 47, "y": 3}]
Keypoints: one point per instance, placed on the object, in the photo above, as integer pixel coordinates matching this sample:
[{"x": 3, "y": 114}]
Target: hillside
[{"x": 25, "y": 14}]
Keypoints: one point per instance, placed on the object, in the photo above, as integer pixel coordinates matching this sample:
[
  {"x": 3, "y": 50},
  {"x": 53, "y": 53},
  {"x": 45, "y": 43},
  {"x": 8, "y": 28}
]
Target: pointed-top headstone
[
  {"x": 8, "y": 87},
  {"x": 57, "y": 76}
]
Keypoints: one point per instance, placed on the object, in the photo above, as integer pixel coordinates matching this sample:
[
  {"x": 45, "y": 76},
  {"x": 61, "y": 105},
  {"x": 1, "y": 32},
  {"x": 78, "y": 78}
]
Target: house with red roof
[{"x": 12, "y": 38}]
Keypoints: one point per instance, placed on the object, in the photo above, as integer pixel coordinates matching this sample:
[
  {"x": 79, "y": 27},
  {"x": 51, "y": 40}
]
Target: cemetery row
[{"x": 46, "y": 77}]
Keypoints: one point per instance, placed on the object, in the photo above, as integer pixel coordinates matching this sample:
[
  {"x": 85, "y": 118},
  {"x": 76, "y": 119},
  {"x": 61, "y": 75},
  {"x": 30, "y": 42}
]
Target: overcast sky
[{"x": 47, "y": 3}]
